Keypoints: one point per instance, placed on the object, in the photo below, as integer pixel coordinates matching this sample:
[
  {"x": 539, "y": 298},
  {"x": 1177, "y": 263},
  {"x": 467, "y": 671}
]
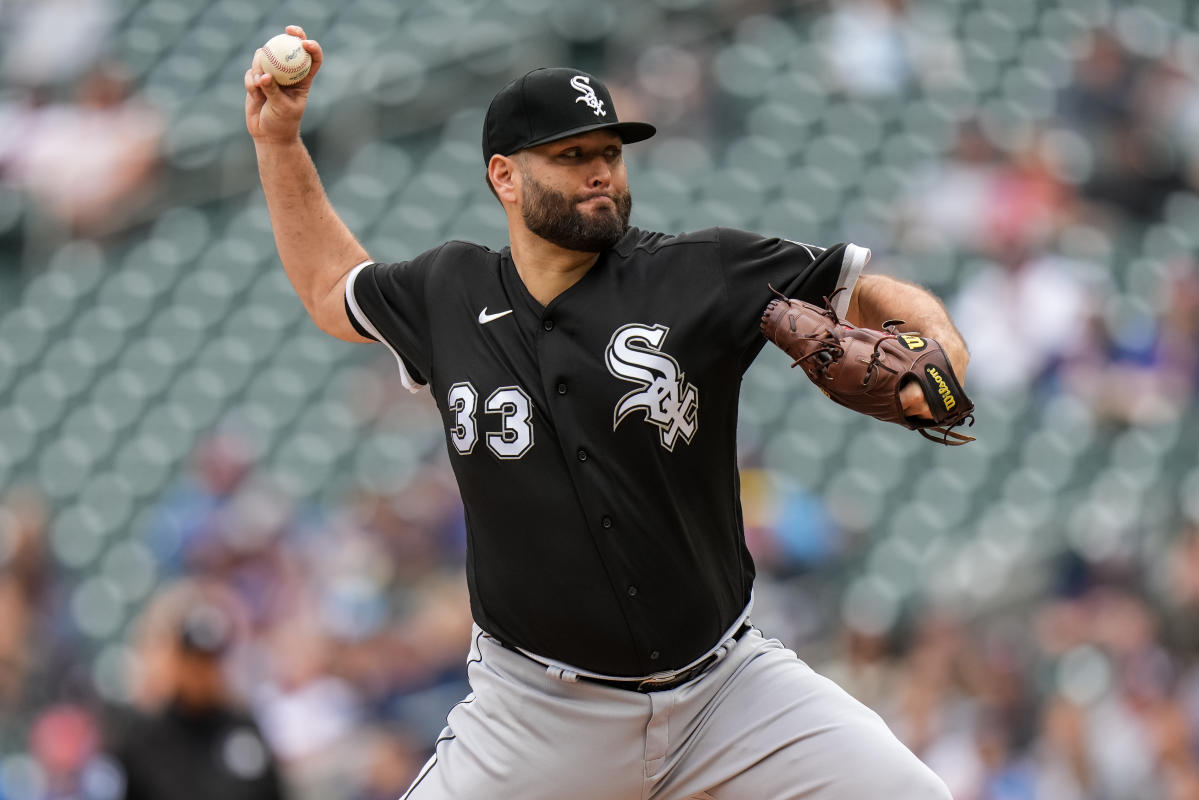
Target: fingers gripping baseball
[{"x": 274, "y": 111}]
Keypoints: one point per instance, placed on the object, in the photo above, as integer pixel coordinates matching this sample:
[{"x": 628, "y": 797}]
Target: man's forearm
[
  {"x": 315, "y": 246},
  {"x": 878, "y": 299}
]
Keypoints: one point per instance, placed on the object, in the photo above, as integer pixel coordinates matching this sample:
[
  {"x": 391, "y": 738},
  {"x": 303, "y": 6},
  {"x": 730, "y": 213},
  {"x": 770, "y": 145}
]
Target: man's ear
[{"x": 501, "y": 172}]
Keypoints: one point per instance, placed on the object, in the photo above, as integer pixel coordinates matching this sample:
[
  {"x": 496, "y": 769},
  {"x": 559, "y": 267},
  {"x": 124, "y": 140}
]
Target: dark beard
[{"x": 556, "y": 218}]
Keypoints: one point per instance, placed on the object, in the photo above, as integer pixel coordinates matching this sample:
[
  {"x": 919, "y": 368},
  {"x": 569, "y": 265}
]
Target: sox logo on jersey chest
[{"x": 634, "y": 354}]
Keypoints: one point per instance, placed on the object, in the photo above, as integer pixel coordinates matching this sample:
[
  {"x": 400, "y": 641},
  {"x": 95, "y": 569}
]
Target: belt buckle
[
  {"x": 679, "y": 678},
  {"x": 652, "y": 684}
]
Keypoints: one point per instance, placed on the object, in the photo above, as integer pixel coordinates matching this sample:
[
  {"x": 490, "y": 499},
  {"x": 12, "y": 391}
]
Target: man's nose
[{"x": 601, "y": 174}]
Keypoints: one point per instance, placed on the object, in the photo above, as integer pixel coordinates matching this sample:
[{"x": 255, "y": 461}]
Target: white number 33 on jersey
[{"x": 514, "y": 408}]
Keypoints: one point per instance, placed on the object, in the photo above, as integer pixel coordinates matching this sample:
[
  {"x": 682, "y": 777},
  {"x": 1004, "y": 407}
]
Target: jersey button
[
  {"x": 606, "y": 522},
  {"x": 562, "y": 388},
  {"x": 582, "y": 454},
  {"x": 548, "y": 325},
  {"x": 654, "y": 655},
  {"x": 632, "y": 591}
]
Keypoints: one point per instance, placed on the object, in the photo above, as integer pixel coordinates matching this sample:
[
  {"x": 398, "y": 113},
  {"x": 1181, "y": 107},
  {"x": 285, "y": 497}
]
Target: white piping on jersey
[
  {"x": 565, "y": 672},
  {"x": 853, "y": 262},
  {"x": 409, "y": 383},
  {"x": 807, "y": 248}
]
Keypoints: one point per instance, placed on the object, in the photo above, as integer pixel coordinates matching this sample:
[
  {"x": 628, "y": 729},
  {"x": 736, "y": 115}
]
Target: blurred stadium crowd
[{"x": 234, "y": 545}]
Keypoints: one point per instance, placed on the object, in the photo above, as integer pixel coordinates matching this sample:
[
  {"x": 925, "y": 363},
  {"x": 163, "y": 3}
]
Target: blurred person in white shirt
[
  {"x": 1023, "y": 316},
  {"x": 91, "y": 171}
]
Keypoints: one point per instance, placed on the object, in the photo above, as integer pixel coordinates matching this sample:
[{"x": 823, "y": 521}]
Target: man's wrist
[
  {"x": 958, "y": 357},
  {"x": 277, "y": 143}
]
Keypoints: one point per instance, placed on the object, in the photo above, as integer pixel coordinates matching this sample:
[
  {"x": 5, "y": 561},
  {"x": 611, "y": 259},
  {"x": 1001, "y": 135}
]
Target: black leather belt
[{"x": 652, "y": 684}]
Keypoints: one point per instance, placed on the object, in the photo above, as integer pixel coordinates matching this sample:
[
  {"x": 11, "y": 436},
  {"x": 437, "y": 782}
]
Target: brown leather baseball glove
[{"x": 865, "y": 369}]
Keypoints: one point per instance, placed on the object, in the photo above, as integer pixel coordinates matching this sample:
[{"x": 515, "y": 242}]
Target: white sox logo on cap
[
  {"x": 587, "y": 95},
  {"x": 551, "y": 103}
]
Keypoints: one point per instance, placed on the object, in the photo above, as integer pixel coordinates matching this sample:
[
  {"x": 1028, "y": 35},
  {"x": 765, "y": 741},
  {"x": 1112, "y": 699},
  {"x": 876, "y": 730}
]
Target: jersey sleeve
[
  {"x": 751, "y": 264},
  {"x": 387, "y": 303}
]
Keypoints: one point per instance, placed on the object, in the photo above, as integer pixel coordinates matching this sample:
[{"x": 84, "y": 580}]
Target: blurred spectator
[
  {"x": 787, "y": 528},
  {"x": 1006, "y": 774},
  {"x": 53, "y": 41},
  {"x": 953, "y": 199},
  {"x": 189, "y": 738},
  {"x": 65, "y": 742},
  {"x": 1065, "y": 770},
  {"x": 982, "y": 201},
  {"x": 93, "y": 170},
  {"x": 420, "y": 526},
  {"x": 1182, "y": 584},
  {"x": 25, "y": 117},
  {"x": 1022, "y": 317},
  {"x": 1170, "y": 98},
  {"x": 1110, "y": 103},
  {"x": 1029, "y": 203},
  {"x": 1099, "y": 98},
  {"x": 310, "y": 715},
  {"x": 867, "y": 668},
  {"x": 305, "y": 708},
  {"x": 1137, "y": 368},
  {"x": 393, "y": 761},
  {"x": 191, "y": 509},
  {"x": 867, "y": 50},
  {"x": 24, "y": 584},
  {"x": 245, "y": 546}
]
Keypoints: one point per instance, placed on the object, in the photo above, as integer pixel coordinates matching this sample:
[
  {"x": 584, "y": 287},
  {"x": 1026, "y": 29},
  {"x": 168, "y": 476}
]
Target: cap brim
[{"x": 628, "y": 132}]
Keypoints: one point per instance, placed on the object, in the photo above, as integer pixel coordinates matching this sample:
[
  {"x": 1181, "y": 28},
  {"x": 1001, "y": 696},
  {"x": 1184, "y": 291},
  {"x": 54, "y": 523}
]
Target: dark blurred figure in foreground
[{"x": 189, "y": 739}]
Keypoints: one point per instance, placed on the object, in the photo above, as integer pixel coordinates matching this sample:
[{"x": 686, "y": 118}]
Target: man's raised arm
[{"x": 317, "y": 249}]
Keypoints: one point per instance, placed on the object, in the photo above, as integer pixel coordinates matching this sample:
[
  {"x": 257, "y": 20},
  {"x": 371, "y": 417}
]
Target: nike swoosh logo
[{"x": 484, "y": 317}]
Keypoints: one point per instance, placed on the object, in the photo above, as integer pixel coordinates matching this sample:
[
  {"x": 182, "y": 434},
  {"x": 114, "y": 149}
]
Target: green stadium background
[{"x": 1021, "y": 610}]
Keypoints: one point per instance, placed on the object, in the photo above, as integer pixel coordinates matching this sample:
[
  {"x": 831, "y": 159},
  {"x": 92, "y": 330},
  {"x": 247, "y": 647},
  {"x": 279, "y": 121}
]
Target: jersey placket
[{"x": 557, "y": 353}]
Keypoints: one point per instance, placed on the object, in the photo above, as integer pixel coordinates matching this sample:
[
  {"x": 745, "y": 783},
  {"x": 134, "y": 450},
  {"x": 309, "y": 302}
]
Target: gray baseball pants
[{"x": 759, "y": 725}]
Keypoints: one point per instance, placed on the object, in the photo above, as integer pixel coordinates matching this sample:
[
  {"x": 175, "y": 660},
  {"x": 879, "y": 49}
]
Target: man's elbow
[
  {"x": 328, "y": 311},
  {"x": 330, "y": 316},
  {"x": 338, "y": 329}
]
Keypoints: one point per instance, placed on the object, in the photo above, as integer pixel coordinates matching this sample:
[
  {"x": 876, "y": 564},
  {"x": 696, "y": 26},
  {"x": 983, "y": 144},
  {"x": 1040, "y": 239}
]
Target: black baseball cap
[
  {"x": 552, "y": 103},
  {"x": 206, "y": 630}
]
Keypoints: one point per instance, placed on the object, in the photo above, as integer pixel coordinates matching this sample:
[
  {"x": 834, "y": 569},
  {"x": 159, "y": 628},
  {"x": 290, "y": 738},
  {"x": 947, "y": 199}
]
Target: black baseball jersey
[
  {"x": 192, "y": 754},
  {"x": 594, "y": 439}
]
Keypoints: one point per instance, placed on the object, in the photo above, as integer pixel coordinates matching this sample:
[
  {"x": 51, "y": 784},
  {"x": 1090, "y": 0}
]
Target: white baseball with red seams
[{"x": 285, "y": 59}]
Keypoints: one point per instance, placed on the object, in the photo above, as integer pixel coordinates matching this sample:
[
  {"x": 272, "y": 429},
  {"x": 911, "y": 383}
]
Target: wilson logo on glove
[{"x": 942, "y": 388}]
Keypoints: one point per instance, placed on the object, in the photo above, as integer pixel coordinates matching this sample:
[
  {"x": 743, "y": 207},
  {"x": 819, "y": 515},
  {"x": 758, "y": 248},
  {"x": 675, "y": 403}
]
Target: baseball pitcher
[{"x": 587, "y": 377}]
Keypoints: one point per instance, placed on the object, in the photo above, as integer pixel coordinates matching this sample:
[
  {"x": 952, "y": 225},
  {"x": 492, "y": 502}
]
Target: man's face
[{"x": 575, "y": 192}]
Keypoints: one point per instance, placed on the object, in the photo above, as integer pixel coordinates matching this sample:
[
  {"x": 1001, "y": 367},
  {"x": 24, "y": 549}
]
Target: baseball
[{"x": 284, "y": 59}]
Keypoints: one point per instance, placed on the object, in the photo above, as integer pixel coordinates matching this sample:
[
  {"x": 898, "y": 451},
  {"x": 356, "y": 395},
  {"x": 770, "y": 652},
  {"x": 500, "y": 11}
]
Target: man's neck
[{"x": 546, "y": 269}]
